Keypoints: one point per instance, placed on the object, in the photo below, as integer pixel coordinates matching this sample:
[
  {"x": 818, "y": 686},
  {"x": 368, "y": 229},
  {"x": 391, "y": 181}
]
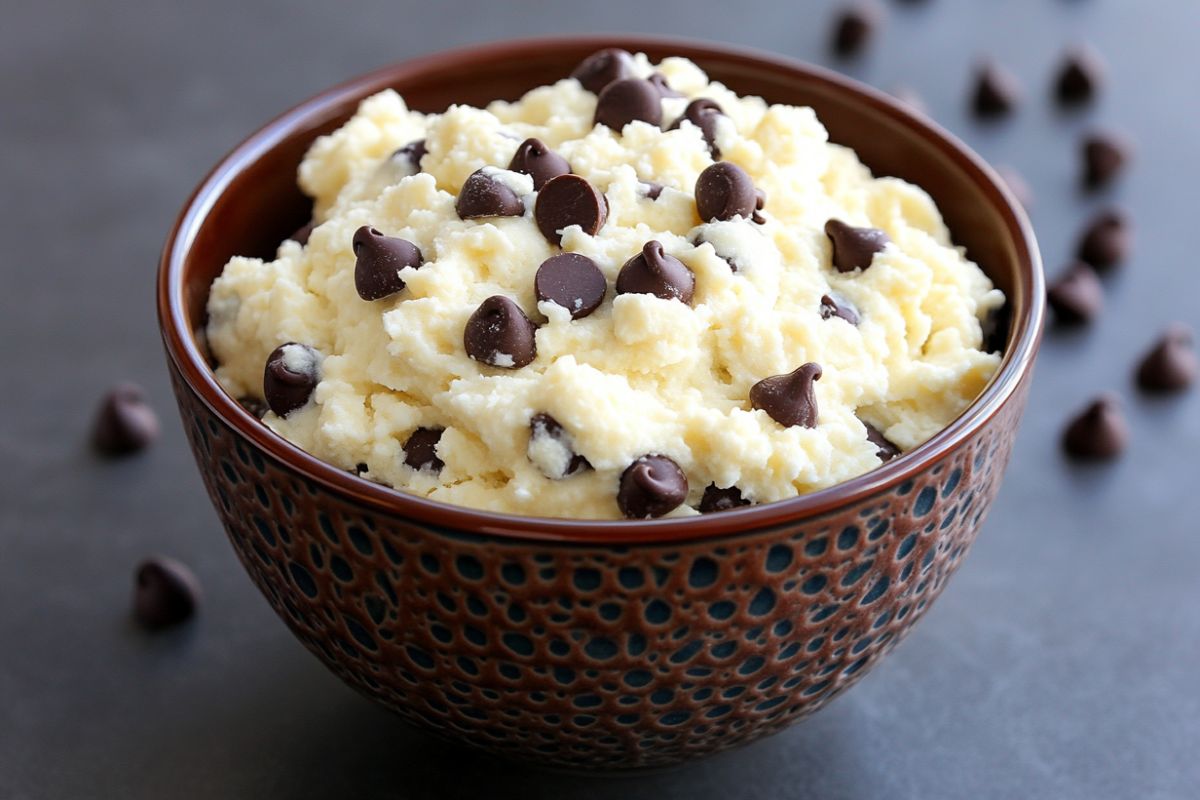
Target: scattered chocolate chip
[
  {"x": 702, "y": 113},
  {"x": 303, "y": 232},
  {"x": 165, "y": 593},
  {"x": 1104, "y": 157},
  {"x": 499, "y": 334},
  {"x": 996, "y": 91},
  {"x": 717, "y": 499},
  {"x": 378, "y": 260},
  {"x": 651, "y": 189},
  {"x": 411, "y": 154},
  {"x": 654, "y": 272},
  {"x": 484, "y": 196},
  {"x": 544, "y": 425},
  {"x": 361, "y": 468},
  {"x": 572, "y": 281},
  {"x": 569, "y": 200},
  {"x": 291, "y": 375},
  {"x": 1100, "y": 432},
  {"x": 254, "y": 406},
  {"x": 725, "y": 191},
  {"x": 535, "y": 159},
  {"x": 1171, "y": 365},
  {"x": 995, "y": 328},
  {"x": 602, "y": 68},
  {"x": 659, "y": 81},
  {"x": 789, "y": 399},
  {"x": 125, "y": 422},
  {"x": 1079, "y": 77},
  {"x": 420, "y": 451},
  {"x": 1016, "y": 184},
  {"x": 854, "y": 248},
  {"x": 1077, "y": 296},
  {"x": 853, "y": 29},
  {"x": 627, "y": 100},
  {"x": 884, "y": 449},
  {"x": 1105, "y": 241},
  {"x": 837, "y": 307},
  {"x": 650, "y": 487}
]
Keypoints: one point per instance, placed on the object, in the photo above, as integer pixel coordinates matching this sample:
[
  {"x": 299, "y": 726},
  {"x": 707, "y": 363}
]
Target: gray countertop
[{"x": 1061, "y": 661}]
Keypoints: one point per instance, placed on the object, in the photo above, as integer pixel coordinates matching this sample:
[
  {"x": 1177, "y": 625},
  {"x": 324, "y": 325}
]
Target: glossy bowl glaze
[{"x": 601, "y": 645}]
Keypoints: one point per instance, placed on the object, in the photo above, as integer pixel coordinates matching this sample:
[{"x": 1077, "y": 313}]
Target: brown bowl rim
[{"x": 182, "y": 348}]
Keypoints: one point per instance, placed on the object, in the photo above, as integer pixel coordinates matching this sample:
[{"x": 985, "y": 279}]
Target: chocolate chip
[
  {"x": 659, "y": 81},
  {"x": 291, "y": 375},
  {"x": 125, "y": 422},
  {"x": 254, "y": 406},
  {"x": 789, "y": 399},
  {"x": 361, "y": 468},
  {"x": 854, "y": 248},
  {"x": 165, "y": 593},
  {"x": 569, "y": 200},
  {"x": 499, "y": 334},
  {"x": 1100, "y": 432},
  {"x": 535, "y": 159},
  {"x": 545, "y": 426},
  {"x": 1104, "y": 157},
  {"x": 853, "y": 29},
  {"x": 717, "y": 499},
  {"x": 484, "y": 196},
  {"x": 884, "y": 449},
  {"x": 378, "y": 260},
  {"x": 1077, "y": 296},
  {"x": 420, "y": 451},
  {"x": 1016, "y": 184},
  {"x": 627, "y": 100},
  {"x": 572, "y": 281},
  {"x": 654, "y": 272},
  {"x": 1171, "y": 365},
  {"x": 837, "y": 307},
  {"x": 650, "y": 487},
  {"x": 411, "y": 155},
  {"x": 1079, "y": 77},
  {"x": 760, "y": 202},
  {"x": 1105, "y": 241},
  {"x": 702, "y": 113},
  {"x": 725, "y": 191},
  {"x": 651, "y": 189},
  {"x": 303, "y": 232},
  {"x": 733, "y": 264},
  {"x": 996, "y": 91},
  {"x": 602, "y": 68}
]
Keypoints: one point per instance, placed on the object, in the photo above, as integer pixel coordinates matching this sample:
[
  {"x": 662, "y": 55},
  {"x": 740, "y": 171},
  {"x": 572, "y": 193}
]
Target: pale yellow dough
[{"x": 640, "y": 375}]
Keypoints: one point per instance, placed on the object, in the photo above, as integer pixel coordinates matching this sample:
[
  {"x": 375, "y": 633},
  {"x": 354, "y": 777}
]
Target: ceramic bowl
[{"x": 598, "y": 645}]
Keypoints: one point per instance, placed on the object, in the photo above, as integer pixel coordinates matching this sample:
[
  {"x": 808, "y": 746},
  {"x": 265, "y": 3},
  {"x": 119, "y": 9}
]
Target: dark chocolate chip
[
  {"x": 165, "y": 593},
  {"x": 1016, "y": 184},
  {"x": 291, "y": 375},
  {"x": 499, "y": 334},
  {"x": 1105, "y": 241},
  {"x": 654, "y": 272},
  {"x": 572, "y": 281},
  {"x": 378, "y": 260},
  {"x": 1077, "y": 296},
  {"x": 650, "y": 487},
  {"x": 420, "y": 451},
  {"x": 1100, "y": 432},
  {"x": 838, "y": 307},
  {"x": 659, "y": 81},
  {"x": 853, "y": 29},
  {"x": 535, "y": 159},
  {"x": 411, "y": 153},
  {"x": 995, "y": 328},
  {"x": 627, "y": 100},
  {"x": 125, "y": 422},
  {"x": 254, "y": 406},
  {"x": 544, "y": 425},
  {"x": 725, "y": 191},
  {"x": 854, "y": 248},
  {"x": 1171, "y": 365},
  {"x": 702, "y": 113},
  {"x": 1104, "y": 157},
  {"x": 303, "y": 232},
  {"x": 789, "y": 399},
  {"x": 602, "y": 68},
  {"x": 717, "y": 499},
  {"x": 569, "y": 200},
  {"x": 996, "y": 91},
  {"x": 651, "y": 189},
  {"x": 1079, "y": 77},
  {"x": 884, "y": 449},
  {"x": 361, "y": 468},
  {"x": 484, "y": 196}
]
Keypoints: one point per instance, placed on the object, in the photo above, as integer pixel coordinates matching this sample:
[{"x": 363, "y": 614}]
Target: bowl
[{"x": 598, "y": 645}]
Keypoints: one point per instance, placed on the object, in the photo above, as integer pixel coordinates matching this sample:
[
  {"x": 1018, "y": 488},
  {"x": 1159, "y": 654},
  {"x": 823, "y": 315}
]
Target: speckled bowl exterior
[{"x": 597, "y": 645}]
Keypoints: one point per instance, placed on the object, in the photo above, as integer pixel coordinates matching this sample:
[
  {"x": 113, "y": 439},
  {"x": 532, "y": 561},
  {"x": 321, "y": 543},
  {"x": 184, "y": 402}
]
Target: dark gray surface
[{"x": 1061, "y": 662}]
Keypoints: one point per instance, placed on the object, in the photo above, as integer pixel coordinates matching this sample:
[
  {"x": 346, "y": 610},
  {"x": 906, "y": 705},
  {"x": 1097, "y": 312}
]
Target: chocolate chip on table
[
  {"x": 837, "y": 307},
  {"x": 572, "y": 281},
  {"x": 853, "y": 28},
  {"x": 569, "y": 200},
  {"x": 535, "y": 159},
  {"x": 303, "y": 232},
  {"x": 499, "y": 334},
  {"x": 651, "y": 486},
  {"x": 659, "y": 81},
  {"x": 1077, "y": 296},
  {"x": 702, "y": 113},
  {"x": 654, "y": 272},
  {"x": 725, "y": 191},
  {"x": 1099, "y": 432},
  {"x": 1105, "y": 242},
  {"x": 484, "y": 196},
  {"x": 602, "y": 68},
  {"x": 651, "y": 189},
  {"x": 884, "y": 449},
  {"x": 378, "y": 260},
  {"x": 1104, "y": 157},
  {"x": 1171, "y": 365},
  {"x": 717, "y": 499},
  {"x": 1016, "y": 184},
  {"x": 544, "y": 425},
  {"x": 411, "y": 153},
  {"x": 420, "y": 450},
  {"x": 254, "y": 406},
  {"x": 996, "y": 92},
  {"x": 165, "y": 593},
  {"x": 125, "y": 422},
  {"x": 854, "y": 248},
  {"x": 789, "y": 399},
  {"x": 1079, "y": 76},
  {"x": 629, "y": 100},
  {"x": 291, "y": 375}
]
